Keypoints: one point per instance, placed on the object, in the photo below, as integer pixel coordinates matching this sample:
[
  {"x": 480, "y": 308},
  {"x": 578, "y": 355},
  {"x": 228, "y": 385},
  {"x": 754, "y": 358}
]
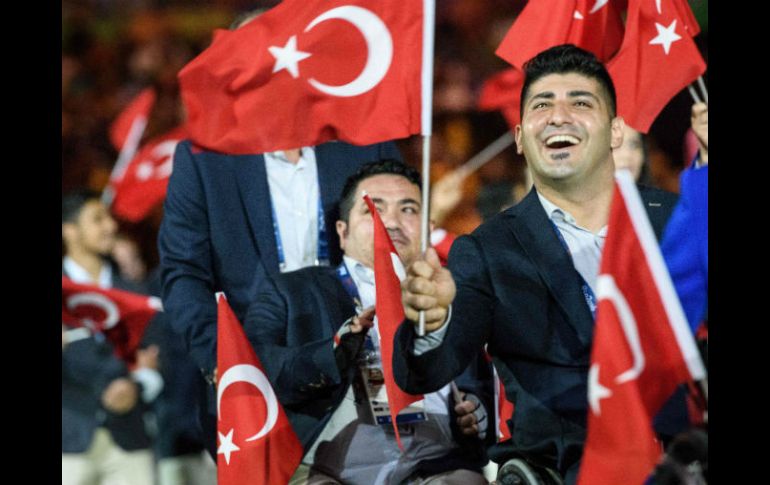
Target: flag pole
[
  {"x": 693, "y": 93},
  {"x": 703, "y": 90},
  {"x": 487, "y": 154},
  {"x": 428, "y": 32}
]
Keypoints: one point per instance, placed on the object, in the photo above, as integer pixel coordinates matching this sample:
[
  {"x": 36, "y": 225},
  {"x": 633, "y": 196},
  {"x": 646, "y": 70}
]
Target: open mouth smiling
[{"x": 561, "y": 141}]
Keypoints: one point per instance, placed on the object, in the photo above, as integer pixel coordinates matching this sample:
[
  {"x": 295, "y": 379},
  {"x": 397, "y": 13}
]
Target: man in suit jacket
[
  {"x": 103, "y": 434},
  {"x": 224, "y": 216},
  {"x": 523, "y": 281},
  {"x": 292, "y": 324}
]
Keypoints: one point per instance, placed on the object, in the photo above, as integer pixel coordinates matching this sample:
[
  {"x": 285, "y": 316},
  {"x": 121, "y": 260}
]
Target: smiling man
[{"x": 523, "y": 282}]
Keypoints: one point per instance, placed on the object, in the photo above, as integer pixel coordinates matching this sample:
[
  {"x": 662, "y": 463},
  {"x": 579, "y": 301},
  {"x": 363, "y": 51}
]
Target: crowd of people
[{"x": 288, "y": 238}]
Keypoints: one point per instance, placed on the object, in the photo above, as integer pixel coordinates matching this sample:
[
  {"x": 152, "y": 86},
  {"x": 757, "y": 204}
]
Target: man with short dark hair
[
  {"x": 292, "y": 324},
  {"x": 523, "y": 282},
  {"x": 103, "y": 434}
]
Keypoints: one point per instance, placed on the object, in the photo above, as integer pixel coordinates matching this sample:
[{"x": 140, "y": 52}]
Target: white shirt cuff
[{"x": 431, "y": 340}]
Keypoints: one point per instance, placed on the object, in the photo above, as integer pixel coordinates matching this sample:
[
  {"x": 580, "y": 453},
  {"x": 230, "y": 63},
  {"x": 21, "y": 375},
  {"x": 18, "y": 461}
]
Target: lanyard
[
  {"x": 347, "y": 281},
  {"x": 322, "y": 254},
  {"x": 588, "y": 293}
]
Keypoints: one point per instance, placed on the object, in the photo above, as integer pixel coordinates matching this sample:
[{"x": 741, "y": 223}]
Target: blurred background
[{"x": 112, "y": 49}]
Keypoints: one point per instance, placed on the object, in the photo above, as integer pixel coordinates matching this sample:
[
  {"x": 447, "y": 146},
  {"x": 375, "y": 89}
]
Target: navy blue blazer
[
  {"x": 217, "y": 232},
  {"x": 292, "y": 323},
  {"x": 88, "y": 367},
  {"x": 518, "y": 292}
]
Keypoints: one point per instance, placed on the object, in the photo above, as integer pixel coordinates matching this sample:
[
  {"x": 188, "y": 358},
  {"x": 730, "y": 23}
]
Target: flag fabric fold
[
  {"x": 306, "y": 72},
  {"x": 502, "y": 92},
  {"x": 592, "y": 25},
  {"x": 388, "y": 272},
  {"x": 658, "y": 58},
  {"x": 136, "y": 112},
  {"x": 121, "y": 316},
  {"x": 642, "y": 349},
  {"x": 257, "y": 444}
]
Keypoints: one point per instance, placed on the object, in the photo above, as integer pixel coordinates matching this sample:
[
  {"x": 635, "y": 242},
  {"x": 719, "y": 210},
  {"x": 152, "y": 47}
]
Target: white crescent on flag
[
  {"x": 606, "y": 289},
  {"x": 379, "y": 44},
  {"x": 254, "y": 376},
  {"x": 98, "y": 300}
]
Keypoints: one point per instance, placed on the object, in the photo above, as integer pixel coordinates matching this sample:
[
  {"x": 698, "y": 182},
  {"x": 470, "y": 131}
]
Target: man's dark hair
[
  {"x": 73, "y": 202},
  {"x": 565, "y": 59},
  {"x": 380, "y": 167}
]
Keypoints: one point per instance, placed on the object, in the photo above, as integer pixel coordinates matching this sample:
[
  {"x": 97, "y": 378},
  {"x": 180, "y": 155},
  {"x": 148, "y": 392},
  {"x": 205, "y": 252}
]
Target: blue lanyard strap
[
  {"x": 588, "y": 293},
  {"x": 347, "y": 282},
  {"x": 322, "y": 254}
]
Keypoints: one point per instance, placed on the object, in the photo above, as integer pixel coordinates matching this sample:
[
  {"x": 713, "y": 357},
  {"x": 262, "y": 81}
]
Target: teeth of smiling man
[{"x": 562, "y": 140}]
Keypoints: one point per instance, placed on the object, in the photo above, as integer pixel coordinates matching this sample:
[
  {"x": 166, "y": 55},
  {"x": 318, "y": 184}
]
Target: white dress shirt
[
  {"x": 585, "y": 247},
  {"x": 294, "y": 194}
]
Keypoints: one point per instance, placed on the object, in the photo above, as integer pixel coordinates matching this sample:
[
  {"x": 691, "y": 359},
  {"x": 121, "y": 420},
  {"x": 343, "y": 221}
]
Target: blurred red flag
[
  {"x": 143, "y": 184},
  {"x": 503, "y": 92},
  {"x": 689, "y": 21},
  {"x": 134, "y": 115},
  {"x": 120, "y": 315},
  {"x": 257, "y": 444},
  {"x": 594, "y": 25},
  {"x": 442, "y": 241},
  {"x": 388, "y": 273},
  {"x": 643, "y": 348},
  {"x": 657, "y": 60},
  {"x": 306, "y": 72}
]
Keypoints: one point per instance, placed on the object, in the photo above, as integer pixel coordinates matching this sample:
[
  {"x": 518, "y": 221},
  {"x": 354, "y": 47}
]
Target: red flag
[
  {"x": 257, "y": 444},
  {"x": 656, "y": 61},
  {"x": 120, "y": 315},
  {"x": 143, "y": 184},
  {"x": 442, "y": 240},
  {"x": 388, "y": 273},
  {"x": 306, "y": 72},
  {"x": 133, "y": 117},
  {"x": 642, "y": 350},
  {"x": 594, "y": 25},
  {"x": 503, "y": 92},
  {"x": 504, "y": 410}
]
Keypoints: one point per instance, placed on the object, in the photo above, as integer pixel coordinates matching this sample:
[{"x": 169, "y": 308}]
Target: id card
[{"x": 374, "y": 383}]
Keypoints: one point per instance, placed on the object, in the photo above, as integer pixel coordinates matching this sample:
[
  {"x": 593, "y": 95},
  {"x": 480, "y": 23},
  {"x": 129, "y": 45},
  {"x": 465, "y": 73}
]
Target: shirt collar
[
  {"x": 279, "y": 156},
  {"x": 359, "y": 272},
  {"x": 556, "y": 214},
  {"x": 78, "y": 274}
]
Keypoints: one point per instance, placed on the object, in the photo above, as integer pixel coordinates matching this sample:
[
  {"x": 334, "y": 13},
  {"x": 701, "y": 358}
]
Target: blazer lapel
[
  {"x": 255, "y": 197},
  {"x": 533, "y": 230}
]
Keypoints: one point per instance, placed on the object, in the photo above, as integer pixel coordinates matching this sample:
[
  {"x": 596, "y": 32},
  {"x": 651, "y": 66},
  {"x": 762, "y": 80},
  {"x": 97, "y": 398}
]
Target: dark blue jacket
[{"x": 518, "y": 291}]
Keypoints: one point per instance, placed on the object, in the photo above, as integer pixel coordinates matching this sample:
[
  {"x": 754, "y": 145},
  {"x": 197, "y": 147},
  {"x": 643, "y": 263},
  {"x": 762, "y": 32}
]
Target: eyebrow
[
  {"x": 571, "y": 94},
  {"x": 400, "y": 202}
]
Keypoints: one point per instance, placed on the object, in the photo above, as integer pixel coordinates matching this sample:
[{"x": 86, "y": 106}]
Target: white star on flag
[
  {"x": 666, "y": 36},
  {"x": 226, "y": 445},
  {"x": 288, "y": 56},
  {"x": 596, "y": 391}
]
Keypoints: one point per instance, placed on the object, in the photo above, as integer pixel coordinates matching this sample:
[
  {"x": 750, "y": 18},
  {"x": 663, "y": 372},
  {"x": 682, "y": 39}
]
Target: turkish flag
[
  {"x": 657, "y": 60},
  {"x": 593, "y": 25},
  {"x": 143, "y": 184},
  {"x": 642, "y": 349},
  {"x": 504, "y": 409},
  {"x": 503, "y": 92},
  {"x": 388, "y": 273},
  {"x": 306, "y": 72},
  {"x": 257, "y": 444},
  {"x": 134, "y": 116},
  {"x": 120, "y": 315}
]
